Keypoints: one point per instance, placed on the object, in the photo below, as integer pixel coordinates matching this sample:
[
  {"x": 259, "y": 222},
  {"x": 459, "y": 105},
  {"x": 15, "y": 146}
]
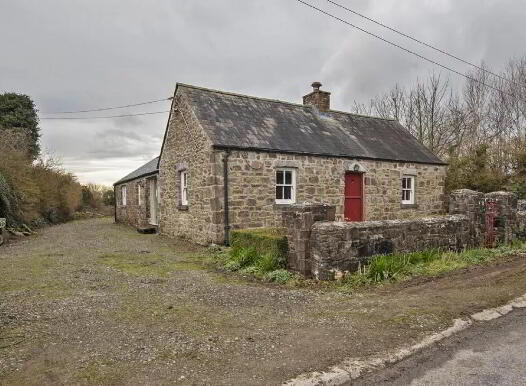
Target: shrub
[
  {"x": 30, "y": 191},
  {"x": 280, "y": 276},
  {"x": 263, "y": 240}
]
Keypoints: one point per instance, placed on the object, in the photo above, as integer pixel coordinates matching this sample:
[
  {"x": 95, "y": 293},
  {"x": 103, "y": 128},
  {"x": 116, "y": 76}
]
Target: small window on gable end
[
  {"x": 123, "y": 195},
  {"x": 408, "y": 190},
  {"x": 139, "y": 195},
  {"x": 184, "y": 187},
  {"x": 285, "y": 186}
]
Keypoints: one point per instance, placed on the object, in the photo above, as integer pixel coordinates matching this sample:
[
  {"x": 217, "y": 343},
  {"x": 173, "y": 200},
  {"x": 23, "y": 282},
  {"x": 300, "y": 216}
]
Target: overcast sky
[{"x": 82, "y": 54}]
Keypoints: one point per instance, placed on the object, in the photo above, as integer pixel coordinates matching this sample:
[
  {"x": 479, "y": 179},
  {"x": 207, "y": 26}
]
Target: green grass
[
  {"x": 36, "y": 271},
  {"x": 146, "y": 264},
  {"x": 403, "y": 266},
  {"x": 248, "y": 262}
]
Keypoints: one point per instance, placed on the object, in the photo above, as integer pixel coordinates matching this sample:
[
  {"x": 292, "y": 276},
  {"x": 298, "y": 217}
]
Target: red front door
[{"x": 353, "y": 197}]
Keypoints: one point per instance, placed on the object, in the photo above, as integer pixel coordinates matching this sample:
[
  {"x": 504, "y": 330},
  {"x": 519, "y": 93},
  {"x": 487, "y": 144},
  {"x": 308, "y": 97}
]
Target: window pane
[
  {"x": 279, "y": 177},
  {"x": 287, "y": 192},
  {"x": 408, "y": 183},
  {"x": 404, "y": 185},
  {"x": 279, "y": 192},
  {"x": 288, "y": 177}
]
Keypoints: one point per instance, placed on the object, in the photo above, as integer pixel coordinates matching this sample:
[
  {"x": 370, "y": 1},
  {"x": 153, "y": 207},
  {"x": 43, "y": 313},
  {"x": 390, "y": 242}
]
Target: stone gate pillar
[
  {"x": 502, "y": 227},
  {"x": 471, "y": 204},
  {"x": 298, "y": 220}
]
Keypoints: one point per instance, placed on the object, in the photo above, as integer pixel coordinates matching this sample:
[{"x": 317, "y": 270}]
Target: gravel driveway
[{"x": 91, "y": 302}]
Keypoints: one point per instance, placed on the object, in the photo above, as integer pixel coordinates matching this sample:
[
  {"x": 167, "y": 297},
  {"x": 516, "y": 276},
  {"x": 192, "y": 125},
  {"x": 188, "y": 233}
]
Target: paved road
[{"x": 491, "y": 353}]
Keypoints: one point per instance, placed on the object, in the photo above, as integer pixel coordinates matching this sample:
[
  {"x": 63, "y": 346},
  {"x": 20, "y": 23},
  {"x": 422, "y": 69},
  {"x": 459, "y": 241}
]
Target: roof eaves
[
  {"x": 122, "y": 181},
  {"x": 261, "y": 149}
]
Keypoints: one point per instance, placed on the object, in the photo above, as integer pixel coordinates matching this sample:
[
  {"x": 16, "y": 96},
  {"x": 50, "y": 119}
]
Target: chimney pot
[{"x": 316, "y": 86}]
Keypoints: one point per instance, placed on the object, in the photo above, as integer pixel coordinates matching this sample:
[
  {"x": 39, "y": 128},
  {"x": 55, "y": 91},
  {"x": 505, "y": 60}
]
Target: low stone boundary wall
[
  {"x": 341, "y": 247},
  {"x": 325, "y": 249}
]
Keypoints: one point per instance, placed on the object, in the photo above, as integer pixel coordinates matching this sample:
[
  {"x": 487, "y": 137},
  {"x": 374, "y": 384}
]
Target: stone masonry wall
[
  {"x": 298, "y": 221},
  {"x": 132, "y": 213},
  {"x": 187, "y": 148},
  {"x": 322, "y": 180},
  {"x": 475, "y": 220},
  {"x": 341, "y": 247}
]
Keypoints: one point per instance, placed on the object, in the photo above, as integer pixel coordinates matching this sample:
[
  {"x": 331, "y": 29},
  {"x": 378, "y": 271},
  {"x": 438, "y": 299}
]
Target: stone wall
[
  {"x": 298, "y": 221},
  {"x": 186, "y": 147},
  {"x": 132, "y": 213},
  {"x": 521, "y": 225},
  {"x": 341, "y": 247},
  {"x": 475, "y": 220},
  {"x": 322, "y": 179}
]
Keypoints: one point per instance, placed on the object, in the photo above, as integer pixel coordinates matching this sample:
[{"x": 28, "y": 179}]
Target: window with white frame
[
  {"x": 408, "y": 190},
  {"x": 184, "y": 187},
  {"x": 285, "y": 186},
  {"x": 139, "y": 195},
  {"x": 123, "y": 195}
]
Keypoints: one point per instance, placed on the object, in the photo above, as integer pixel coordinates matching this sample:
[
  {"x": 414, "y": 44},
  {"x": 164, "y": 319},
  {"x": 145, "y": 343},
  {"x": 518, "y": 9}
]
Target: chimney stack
[{"x": 317, "y": 98}]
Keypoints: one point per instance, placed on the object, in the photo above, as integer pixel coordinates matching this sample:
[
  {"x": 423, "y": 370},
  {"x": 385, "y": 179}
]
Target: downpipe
[{"x": 225, "y": 189}]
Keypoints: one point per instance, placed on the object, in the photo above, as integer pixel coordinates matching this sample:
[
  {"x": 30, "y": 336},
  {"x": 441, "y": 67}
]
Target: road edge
[{"x": 353, "y": 368}]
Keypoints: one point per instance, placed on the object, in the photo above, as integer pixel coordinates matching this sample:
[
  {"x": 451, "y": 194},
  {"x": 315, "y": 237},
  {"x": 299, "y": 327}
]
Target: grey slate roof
[
  {"x": 244, "y": 122},
  {"x": 148, "y": 168}
]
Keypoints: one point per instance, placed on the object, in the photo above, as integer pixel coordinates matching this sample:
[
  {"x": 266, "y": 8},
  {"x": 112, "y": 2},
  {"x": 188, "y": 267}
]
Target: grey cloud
[{"x": 74, "y": 55}]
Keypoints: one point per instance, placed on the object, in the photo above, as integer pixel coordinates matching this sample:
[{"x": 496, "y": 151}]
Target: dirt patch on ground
[{"x": 91, "y": 302}]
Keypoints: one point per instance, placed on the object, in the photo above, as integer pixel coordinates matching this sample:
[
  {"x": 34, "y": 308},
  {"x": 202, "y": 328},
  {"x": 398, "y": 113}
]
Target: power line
[
  {"x": 403, "y": 48},
  {"x": 109, "y": 108},
  {"x": 109, "y": 116},
  {"x": 420, "y": 41}
]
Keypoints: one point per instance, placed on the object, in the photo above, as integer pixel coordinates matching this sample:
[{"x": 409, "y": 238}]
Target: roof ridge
[
  {"x": 243, "y": 95},
  {"x": 362, "y": 115},
  {"x": 278, "y": 101}
]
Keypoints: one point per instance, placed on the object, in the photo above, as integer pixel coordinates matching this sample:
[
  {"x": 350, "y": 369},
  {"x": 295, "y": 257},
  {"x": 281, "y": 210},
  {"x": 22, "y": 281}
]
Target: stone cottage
[
  {"x": 137, "y": 196},
  {"x": 232, "y": 161}
]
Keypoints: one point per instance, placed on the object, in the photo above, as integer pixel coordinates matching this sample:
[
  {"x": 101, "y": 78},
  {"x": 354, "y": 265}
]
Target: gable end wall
[{"x": 188, "y": 148}]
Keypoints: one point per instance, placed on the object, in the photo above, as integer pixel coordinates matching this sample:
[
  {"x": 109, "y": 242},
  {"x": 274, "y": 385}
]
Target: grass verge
[
  {"x": 148, "y": 264},
  {"x": 403, "y": 266},
  {"x": 382, "y": 269}
]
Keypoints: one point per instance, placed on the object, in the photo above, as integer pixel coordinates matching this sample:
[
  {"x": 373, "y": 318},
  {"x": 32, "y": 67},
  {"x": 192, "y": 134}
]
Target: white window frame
[
  {"x": 123, "y": 195},
  {"x": 410, "y": 190},
  {"x": 139, "y": 194},
  {"x": 183, "y": 180},
  {"x": 292, "y": 199}
]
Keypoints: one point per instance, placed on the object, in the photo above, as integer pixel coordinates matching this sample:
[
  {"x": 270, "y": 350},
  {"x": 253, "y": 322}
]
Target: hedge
[{"x": 265, "y": 241}]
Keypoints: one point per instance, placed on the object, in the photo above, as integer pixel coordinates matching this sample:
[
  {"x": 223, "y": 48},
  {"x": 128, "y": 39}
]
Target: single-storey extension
[{"x": 137, "y": 196}]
